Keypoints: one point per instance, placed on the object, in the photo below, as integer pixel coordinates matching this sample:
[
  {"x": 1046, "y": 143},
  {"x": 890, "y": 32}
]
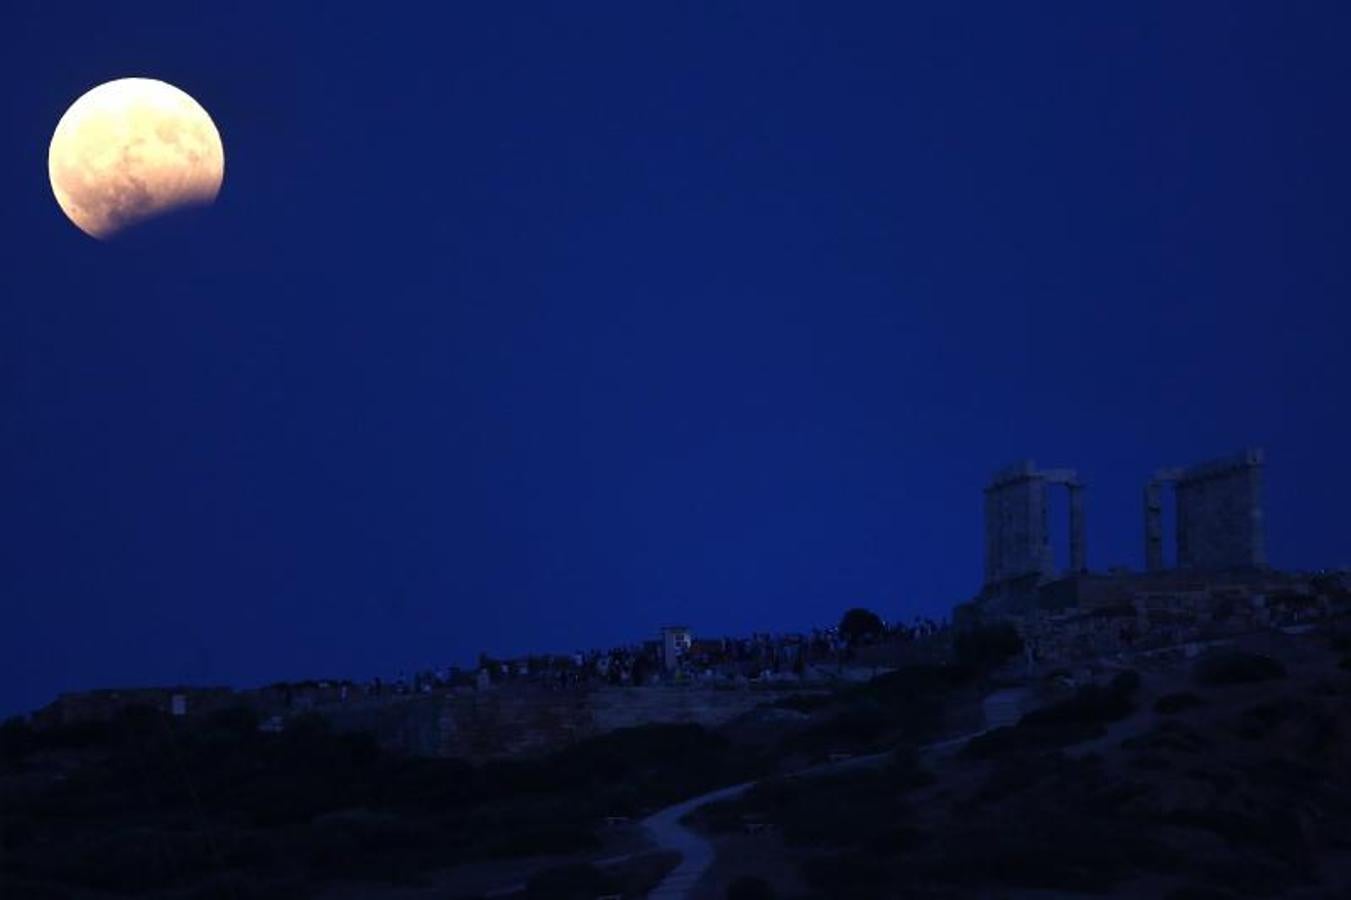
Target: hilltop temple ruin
[
  {"x": 1219, "y": 583},
  {"x": 1219, "y": 529},
  {"x": 1219, "y": 514},
  {"x": 1017, "y": 539}
]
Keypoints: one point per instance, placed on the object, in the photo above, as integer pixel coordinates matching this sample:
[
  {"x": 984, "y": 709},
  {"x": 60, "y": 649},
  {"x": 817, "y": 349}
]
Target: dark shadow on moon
[{"x": 187, "y": 222}]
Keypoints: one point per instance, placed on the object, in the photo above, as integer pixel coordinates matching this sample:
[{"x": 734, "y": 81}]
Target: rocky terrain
[
  {"x": 1206, "y": 772},
  {"x": 1223, "y": 775}
]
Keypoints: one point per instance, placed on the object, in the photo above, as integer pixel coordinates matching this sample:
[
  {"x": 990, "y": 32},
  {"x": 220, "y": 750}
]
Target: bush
[
  {"x": 1199, "y": 892},
  {"x": 987, "y": 646},
  {"x": 1090, "y": 705},
  {"x": 748, "y": 887},
  {"x": 540, "y": 840},
  {"x": 1170, "y": 704},
  {"x": 803, "y": 703},
  {"x": 576, "y": 881},
  {"x": 859, "y": 723},
  {"x": 899, "y": 839},
  {"x": 913, "y": 682},
  {"x": 1080, "y": 718},
  {"x": 1236, "y": 667},
  {"x": 1127, "y": 682},
  {"x": 1169, "y": 736},
  {"x": 239, "y": 721},
  {"x": 1070, "y": 853},
  {"x": 848, "y": 874},
  {"x": 1028, "y": 739},
  {"x": 1260, "y": 720},
  {"x": 1277, "y": 834}
]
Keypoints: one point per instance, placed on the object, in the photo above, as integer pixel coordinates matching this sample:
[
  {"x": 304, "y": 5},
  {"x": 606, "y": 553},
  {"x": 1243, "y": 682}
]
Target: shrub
[
  {"x": 803, "y": 703},
  {"x": 581, "y": 881},
  {"x": 1152, "y": 763},
  {"x": 1023, "y": 738},
  {"x": 1260, "y": 720},
  {"x": 238, "y": 721},
  {"x": 912, "y": 682},
  {"x": 1170, "y": 704},
  {"x": 859, "y": 723},
  {"x": 1199, "y": 892},
  {"x": 1276, "y": 833},
  {"x": 848, "y": 874},
  {"x": 541, "y": 840},
  {"x": 908, "y": 701},
  {"x": 748, "y": 887},
  {"x": 1169, "y": 736},
  {"x": 1090, "y": 705},
  {"x": 987, "y": 646},
  {"x": 1079, "y": 718},
  {"x": 898, "y": 839},
  {"x": 1236, "y": 667},
  {"x": 1127, "y": 682},
  {"x": 1065, "y": 853}
]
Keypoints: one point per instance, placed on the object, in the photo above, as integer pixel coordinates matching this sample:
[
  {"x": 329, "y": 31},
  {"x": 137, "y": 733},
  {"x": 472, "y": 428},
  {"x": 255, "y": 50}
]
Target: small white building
[{"x": 675, "y": 644}]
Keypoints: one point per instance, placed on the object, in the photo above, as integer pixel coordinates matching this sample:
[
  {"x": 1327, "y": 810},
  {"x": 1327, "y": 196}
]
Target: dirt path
[{"x": 696, "y": 852}]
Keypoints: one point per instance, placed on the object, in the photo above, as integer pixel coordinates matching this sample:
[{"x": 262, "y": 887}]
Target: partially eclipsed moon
[{"x": 131, "y": 149}]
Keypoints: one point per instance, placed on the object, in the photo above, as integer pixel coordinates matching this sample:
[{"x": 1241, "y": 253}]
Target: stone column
[
  {"x": 993, "y": 536},
  {"x": 1153, "y": 527},
  {"x": 1257, "y": 527},
  {"x": 1078, "y": 560}
]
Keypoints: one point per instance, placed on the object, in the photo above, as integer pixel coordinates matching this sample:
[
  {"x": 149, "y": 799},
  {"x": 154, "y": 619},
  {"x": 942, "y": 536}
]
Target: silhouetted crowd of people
[
  {"x": 755, "y": 655},
  {"x": 760, "y": 655}
]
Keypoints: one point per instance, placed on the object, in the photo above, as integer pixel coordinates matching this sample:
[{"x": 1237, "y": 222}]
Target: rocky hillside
[{"x": 1223, "y": 775}]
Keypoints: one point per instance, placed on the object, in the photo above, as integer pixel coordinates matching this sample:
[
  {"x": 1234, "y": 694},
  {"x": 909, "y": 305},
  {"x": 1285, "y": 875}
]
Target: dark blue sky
[{"x": 528, "y": 327}]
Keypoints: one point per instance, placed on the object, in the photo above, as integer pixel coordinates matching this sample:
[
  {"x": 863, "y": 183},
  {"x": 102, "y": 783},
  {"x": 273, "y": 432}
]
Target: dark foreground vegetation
[
  {"x": 584, "y": 881},
  {"x": 905, "y": 707},
  {"x": 1081, "y": 717},
  {"x": 150, "y": 806},
  {"x": 1233, "y": 781},
  {"x": 1228, "y": 779}
]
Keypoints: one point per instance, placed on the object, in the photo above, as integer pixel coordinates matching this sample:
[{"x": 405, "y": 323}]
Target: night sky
[{"x": 523, "y": 327}]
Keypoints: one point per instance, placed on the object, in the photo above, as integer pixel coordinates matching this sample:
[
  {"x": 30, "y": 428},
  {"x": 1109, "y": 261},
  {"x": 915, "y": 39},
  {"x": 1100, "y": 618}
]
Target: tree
[{"x": 859, "y": 623}]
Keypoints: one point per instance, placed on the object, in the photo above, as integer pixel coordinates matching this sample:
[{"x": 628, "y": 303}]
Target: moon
[{"x": 130, "y": 150}]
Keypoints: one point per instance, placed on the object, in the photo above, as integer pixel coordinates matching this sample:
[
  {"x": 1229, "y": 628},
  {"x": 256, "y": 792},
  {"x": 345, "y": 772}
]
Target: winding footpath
[{"x": 696, "y": 853}]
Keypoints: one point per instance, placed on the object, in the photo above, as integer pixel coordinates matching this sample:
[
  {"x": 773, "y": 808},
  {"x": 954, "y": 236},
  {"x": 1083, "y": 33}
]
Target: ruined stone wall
[
  {"x": 1016, "y": 541},
  {"x": 1219, "y": 514},
  {"x": 102, "y": 705},
  {"x": 627, "y": 707},
  {"x": 1143, "y": 612},
  {"x": 505, "y": 720},
  {"x": 405, "y": 724},
  {"x": 513, "y": 721},
  {"x": 523, "y": 720}
]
